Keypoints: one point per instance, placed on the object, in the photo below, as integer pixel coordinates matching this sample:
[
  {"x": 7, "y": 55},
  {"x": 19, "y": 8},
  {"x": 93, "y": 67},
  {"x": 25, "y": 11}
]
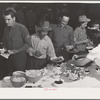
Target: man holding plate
[{"x": 42, "y": 47}]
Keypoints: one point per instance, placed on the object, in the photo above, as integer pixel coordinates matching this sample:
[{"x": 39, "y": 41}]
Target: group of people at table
[{"x": 35, "y": 51}]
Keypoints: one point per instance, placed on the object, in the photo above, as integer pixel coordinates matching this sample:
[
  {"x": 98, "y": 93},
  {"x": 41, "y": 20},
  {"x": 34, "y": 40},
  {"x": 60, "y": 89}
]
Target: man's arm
[
  {"x": 50, "y": 49},
  {"x": 71, "y": 38},
  {"x": 26, "y": 39},
  {"x": 80, "y": 42},
  {"x": 81, "y": 63}
]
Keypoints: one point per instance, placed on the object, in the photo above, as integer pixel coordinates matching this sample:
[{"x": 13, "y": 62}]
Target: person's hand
[
  {"x": 10, "y": 51},
  {"x": 53, "y": 57},
  {"x": 69, "y": 47},
  {"x": 38, "y": 53},
  {"x": 30, "y": 51},
  {"x": 75, "y": 57},
  {"x": 14, "y": 51}
]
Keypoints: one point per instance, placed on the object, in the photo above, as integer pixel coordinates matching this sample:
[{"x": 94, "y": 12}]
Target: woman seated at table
[{"x": 94, "y": 55}]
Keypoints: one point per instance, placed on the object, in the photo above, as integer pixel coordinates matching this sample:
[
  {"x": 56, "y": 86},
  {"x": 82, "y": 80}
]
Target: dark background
[{"x": 92, "y": 10}]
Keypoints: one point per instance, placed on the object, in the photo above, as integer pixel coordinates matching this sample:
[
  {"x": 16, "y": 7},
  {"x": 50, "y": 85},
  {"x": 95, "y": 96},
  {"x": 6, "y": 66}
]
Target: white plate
[{"x": 57, "y": 61}]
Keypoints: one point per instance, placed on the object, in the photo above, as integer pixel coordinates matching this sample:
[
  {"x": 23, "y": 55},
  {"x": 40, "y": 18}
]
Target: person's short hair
[
  {"x": 10, "y": 11},
  {"x": 61, "y": 16}
]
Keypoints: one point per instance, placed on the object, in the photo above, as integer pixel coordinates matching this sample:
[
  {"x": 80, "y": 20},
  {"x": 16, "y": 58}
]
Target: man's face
[
  {"x": 9, "y": 20},
  {"x": 64, "y": 21},
  {"x": 43, "y": 33}
]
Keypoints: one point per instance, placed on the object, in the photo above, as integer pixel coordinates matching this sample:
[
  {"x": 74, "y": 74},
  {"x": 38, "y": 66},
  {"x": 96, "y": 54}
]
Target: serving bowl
[
  {"x": 18, "y": 81},
  {"x": 58, "y": 82},
  {"x": 33, "y": 75},
  {"x": 33, "y": 79},
  {"x": 19, "y": 73}
]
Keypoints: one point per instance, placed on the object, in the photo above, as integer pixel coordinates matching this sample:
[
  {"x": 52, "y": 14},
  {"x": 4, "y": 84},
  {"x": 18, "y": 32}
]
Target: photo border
[{"x": 71, "y": 94}]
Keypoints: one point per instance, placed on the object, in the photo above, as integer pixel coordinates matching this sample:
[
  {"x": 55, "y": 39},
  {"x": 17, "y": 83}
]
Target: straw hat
[
  {"x": 83, "y": 18},
  {"x": 44, "y": 26}
]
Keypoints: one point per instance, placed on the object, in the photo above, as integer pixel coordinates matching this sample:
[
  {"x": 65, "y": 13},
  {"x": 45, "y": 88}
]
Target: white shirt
[
  {"x": 94, "y": 55},
  {"x": 44, "y": 46}
]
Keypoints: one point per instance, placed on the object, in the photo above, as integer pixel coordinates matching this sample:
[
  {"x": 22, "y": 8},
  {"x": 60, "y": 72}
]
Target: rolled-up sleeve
[
  {"x": 50, "y": 49},
  {"x": 71, "y": 37},
  {"x": 94, "y": 53}
]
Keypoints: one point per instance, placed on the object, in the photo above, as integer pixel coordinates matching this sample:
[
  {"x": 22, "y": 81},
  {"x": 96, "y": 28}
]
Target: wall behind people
[{"x": 31, "y": 19}]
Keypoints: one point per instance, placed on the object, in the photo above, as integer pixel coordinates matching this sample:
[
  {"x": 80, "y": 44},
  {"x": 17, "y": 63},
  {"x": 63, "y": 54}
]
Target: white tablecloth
[{"x": 90, "y": 81}]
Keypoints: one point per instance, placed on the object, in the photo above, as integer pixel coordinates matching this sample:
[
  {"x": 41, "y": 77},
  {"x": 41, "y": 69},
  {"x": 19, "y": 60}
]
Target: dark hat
[{"x": 44, "y": 25}]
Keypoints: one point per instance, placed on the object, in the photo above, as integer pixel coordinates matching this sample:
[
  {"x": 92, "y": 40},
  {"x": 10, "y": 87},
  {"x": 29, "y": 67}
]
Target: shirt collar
[
  {"x": 14, "y": 25},
  {"x": 62, "y": 27},
  {"x": 45, "y": 38}
]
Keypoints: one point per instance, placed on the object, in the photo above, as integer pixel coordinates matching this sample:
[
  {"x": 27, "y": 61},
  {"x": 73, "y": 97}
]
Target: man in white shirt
[{"x": 42, "y": 47}]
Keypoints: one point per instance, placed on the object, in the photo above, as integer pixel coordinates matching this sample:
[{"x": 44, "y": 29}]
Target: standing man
[
  {"x": 62, "y": 37},
  {"x": 16, "y": 40},
  {"x": 42, "y": 48}
]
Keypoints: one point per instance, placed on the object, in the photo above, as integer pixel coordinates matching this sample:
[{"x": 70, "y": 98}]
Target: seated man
[{"x": 42, "y": 47}]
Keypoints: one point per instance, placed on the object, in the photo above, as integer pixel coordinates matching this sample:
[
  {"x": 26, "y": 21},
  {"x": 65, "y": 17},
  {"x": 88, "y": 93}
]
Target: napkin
[{"x": 5, "y": 55}]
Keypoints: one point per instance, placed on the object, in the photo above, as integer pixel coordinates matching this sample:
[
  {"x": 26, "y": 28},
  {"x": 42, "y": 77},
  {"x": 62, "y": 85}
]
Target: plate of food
[
  {"x": 57, "y": 59},
  {"x": 73, "y": 51},
  {"x": 89, "y": 47}
]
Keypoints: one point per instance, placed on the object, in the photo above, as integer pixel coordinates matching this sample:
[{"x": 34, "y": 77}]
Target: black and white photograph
[{"x": 50, "y": 46}]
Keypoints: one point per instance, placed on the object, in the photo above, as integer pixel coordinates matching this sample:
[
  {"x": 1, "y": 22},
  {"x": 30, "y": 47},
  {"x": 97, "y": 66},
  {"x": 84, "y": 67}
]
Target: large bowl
[
  {"x": 19, "y": 74},
  {"x": 33, "y": 79},
  {"x": 17, "y": 83}
]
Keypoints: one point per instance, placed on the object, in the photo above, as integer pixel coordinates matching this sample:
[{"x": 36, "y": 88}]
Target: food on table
[
  {"x": 71, "y": 71},
  {"x": 18, "y": 79},
  {"x": 33, "y": 73},
  {"x": 57, "y": 59},
  {"x": 73, "y": 76}
]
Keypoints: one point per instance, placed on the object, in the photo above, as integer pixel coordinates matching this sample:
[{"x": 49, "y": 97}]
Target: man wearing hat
[
  {"x": 41, "y": 47},
  {"x": 80, "y": 36}
]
